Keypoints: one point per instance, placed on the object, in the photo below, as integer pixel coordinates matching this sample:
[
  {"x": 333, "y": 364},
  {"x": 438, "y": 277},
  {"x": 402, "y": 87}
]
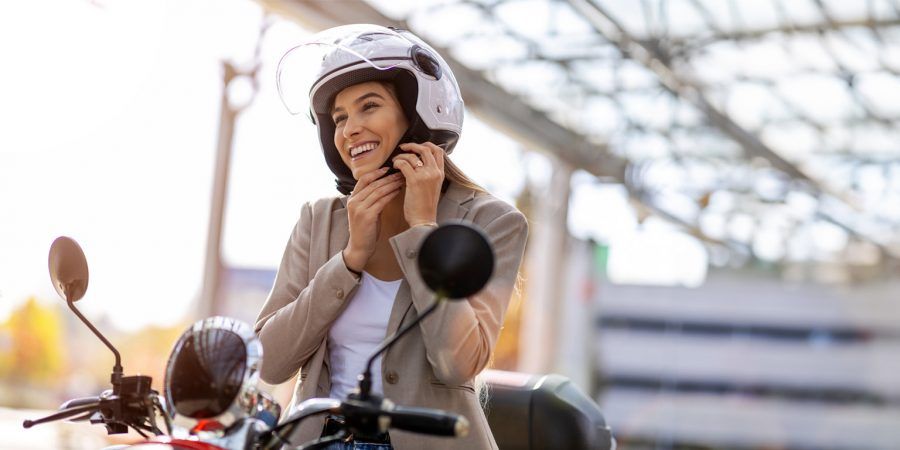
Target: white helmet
[{"x": 351, "y": 54}]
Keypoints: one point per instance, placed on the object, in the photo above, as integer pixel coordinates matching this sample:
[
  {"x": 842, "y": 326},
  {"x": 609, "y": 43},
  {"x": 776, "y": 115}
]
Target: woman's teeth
[{"x": 356, "y": 151}]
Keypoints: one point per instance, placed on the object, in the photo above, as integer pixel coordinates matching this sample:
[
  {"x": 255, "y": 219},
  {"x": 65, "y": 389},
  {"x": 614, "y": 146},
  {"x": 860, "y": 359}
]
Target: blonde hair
[{"x": 453, "y": 173}]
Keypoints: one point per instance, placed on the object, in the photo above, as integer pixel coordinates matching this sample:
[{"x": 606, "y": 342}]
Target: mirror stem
[
  {"x": 365, "y": 380},
  {"x": 117, "y": 369}
]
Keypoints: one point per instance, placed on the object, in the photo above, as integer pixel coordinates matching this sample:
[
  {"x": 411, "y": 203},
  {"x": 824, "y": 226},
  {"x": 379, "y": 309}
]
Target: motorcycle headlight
[{"x": 211, "y": 375}]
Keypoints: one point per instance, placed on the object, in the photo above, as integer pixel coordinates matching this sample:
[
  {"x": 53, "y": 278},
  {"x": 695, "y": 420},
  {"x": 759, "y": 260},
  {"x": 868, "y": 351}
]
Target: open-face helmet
[{"x": 311, "y": 74}]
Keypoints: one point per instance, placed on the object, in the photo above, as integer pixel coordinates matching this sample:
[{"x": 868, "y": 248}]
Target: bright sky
[{"x": 109, "y": 114}]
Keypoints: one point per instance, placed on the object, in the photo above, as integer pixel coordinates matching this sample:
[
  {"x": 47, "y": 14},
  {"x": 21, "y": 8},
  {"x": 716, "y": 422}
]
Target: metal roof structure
[
  {"x": 769, "y": 126},
  {"x": 769, "y": 129}
]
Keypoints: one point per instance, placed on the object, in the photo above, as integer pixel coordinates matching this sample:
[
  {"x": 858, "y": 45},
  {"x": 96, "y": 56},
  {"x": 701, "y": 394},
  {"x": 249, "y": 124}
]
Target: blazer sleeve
[
  {"x": 300, "y": 308},
  {"x": 460, "y": 335}
]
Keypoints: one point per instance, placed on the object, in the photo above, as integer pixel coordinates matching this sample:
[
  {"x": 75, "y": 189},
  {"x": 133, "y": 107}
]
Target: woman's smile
[{"x": 362, "y": 150}]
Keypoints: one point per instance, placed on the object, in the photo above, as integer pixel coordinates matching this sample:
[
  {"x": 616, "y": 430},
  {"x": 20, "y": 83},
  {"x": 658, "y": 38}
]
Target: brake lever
[
  {"x": 83, "y": 417},
  {"x": 68, "y": 412},
  {"x": 279, "y": 434}
]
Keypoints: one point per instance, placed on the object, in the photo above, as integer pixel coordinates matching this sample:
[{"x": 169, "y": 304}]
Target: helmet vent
[{"x": 425, "y": 62}]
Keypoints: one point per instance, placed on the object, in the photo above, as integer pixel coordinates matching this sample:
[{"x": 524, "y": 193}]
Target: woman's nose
[{"x": 352, "y": 126}]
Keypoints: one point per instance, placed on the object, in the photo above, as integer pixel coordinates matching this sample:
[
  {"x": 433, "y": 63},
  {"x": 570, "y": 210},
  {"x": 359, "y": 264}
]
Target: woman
[{"x": 349, "y": 277}]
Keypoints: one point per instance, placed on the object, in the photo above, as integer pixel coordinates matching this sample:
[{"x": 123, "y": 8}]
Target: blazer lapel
[
  {"x": 340, "y": 229},
  {"x": 451, "y": 206},
  {"x": 402, "y": 305}
]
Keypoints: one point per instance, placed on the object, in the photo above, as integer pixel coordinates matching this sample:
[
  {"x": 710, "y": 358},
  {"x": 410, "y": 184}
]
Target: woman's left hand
[{"x": 423, "y": 168}]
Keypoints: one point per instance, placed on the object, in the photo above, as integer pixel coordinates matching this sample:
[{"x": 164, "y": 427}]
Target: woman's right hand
[{"x": 364, "y": 207}]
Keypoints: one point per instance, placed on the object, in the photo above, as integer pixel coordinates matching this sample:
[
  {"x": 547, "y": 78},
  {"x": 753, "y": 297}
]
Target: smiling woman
[
  {"x": 369, "y": 123},
  {"x": 388, "y": 111}
]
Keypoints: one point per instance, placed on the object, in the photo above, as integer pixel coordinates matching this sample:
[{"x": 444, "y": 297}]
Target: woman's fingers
[
  {"x": 412, "y": 159},
  {"x": 424, "y": 175},
  {"x": 405, "y": 166},
  {"x": 417, "y": 151},
  {"x": 418, "y": 171},
  {"x": 427, "y": 154},
  {"x": 437, "y": 155},
  {"x": 363, "y": 192},
  {"x": 359, "y": 206},
  {"x": 376, "y": 192},
  {"x": 369, "y": 178},
  {"x": 430, "y": 154},
  {"x": 363, "y": 209}
]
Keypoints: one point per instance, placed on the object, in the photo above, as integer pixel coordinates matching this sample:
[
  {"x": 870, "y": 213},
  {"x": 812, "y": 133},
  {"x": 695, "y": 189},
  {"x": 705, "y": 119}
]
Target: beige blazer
[{"x": 433, "y": 366}]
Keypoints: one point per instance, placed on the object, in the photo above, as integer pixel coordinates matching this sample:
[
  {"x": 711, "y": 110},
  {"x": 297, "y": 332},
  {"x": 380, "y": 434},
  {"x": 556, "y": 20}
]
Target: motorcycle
[{"x": 211, "y": 399}]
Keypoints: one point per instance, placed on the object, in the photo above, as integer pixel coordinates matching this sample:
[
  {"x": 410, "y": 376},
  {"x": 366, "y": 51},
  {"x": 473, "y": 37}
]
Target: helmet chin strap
[{"x": 345, "y": 187}]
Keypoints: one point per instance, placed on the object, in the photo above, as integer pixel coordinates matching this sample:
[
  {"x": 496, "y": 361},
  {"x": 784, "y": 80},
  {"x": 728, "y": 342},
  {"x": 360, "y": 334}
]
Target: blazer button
[
  {"x": 411, "y": 254},
  {"x": 391, "y": 377},
  {"x": 339, "y": 293}
]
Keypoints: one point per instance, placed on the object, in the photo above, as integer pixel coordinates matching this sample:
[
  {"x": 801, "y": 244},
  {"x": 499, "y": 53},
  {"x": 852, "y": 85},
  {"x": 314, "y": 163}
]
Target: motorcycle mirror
[
  {"x": 68, "y": 269},
  {"x": 456, "y": 260},
  {"x": 69, "y": 274}
]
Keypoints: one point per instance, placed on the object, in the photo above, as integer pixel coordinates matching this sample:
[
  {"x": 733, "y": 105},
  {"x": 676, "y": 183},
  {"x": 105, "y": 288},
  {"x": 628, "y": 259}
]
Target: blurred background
[{"x": 713, "y": 189}]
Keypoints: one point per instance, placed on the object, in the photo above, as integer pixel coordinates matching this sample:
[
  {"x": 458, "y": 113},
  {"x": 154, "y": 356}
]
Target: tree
[{"x": 33, "y": 344}]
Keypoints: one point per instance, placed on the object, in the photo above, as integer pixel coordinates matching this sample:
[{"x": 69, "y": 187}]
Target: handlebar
[
  {"x": 429, "y": 421},
  {"x": 366, "y": 414},
  {"x": 135, "y": 409}
]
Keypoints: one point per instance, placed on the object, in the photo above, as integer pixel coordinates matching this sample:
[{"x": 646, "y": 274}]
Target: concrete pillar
[
  {"x": 232, "y": 105},
  {"x": 210, "y": 298},
  {"x": 544, "y": 270}
]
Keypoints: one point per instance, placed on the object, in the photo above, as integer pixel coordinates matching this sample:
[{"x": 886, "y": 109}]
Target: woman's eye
[
  {"x": 339, "y": 119},
  {"x": 369, "y": 106}
]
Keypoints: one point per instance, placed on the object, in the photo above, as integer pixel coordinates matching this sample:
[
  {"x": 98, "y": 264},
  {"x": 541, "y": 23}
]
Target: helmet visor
[{"x": 335, "y": 52}]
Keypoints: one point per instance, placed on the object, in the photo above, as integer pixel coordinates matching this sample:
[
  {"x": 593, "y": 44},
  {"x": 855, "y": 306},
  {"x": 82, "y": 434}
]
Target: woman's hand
[
  {"x": 423, "y": 169},
  {"x": 364, "y": 207}
]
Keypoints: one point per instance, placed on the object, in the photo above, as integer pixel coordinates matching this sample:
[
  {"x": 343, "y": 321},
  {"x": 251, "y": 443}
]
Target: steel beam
[{"x": 798, "y": 29}]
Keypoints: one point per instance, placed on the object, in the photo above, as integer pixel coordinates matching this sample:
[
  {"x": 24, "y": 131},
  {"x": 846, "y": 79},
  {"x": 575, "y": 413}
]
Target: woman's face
[{"x": 368, "y": 125}]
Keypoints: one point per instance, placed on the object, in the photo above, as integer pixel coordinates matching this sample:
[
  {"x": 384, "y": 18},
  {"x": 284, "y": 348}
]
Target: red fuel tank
[{"x": 166, "y": 443}]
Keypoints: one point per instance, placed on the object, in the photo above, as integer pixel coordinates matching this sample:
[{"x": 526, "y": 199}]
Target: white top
[{"x": 357, "y": 332}]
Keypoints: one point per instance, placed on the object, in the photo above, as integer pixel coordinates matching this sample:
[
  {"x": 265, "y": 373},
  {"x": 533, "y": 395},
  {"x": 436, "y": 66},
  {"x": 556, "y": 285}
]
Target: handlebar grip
[{"x": 429, "y": 421}]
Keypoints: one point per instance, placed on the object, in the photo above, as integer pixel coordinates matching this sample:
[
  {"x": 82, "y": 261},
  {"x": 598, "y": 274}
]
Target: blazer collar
[{"x": 454, "y": 202}]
